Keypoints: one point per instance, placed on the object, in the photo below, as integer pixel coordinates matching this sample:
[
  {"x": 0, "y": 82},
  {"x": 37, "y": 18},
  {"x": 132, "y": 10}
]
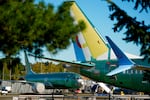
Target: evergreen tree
[{"x": 136, "y": 31}]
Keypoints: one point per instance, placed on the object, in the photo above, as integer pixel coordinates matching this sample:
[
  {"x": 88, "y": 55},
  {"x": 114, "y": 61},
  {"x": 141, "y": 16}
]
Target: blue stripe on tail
[{"x": 78, "y": 52}]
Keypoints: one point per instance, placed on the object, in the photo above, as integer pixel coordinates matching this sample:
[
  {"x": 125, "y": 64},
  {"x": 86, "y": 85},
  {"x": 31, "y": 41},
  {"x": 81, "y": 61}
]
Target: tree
[
  {"x": 47, "y": 67},
  {"x": 136, "y": 31},
  {"x": 30, "y": 26},
  {"x": 34, "y": 26},
  {"x": 11, "y": 68}
]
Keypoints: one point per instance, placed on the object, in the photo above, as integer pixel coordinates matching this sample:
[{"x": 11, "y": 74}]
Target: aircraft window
[
  {"x": 141, "y": 71},
  {"x": 127, "y": 71},
  {"x": 124, "y": 72},
  {"x": 136, "y": 72},
  {"x": 131, "y": 71}
]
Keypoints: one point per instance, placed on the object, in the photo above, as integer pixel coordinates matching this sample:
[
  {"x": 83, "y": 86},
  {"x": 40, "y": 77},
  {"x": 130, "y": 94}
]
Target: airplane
[
  {"x": 103, "y": 63},
  {"x": 54, "y": 80},
  {"x": 123, "y": 72},
  {"x": 94, "y": 47}
]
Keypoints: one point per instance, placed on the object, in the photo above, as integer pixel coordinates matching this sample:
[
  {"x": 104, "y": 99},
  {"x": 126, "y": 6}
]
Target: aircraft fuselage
[
  {"x": 131, "y": 79},
  {"x": 56, "y": 80}
]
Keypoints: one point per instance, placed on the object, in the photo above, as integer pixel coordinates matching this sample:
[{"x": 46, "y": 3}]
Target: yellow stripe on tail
[{"x": 95, "y": 43}]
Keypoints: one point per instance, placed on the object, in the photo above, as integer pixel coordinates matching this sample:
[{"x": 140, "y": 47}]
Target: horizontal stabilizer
[
  {"x": 76, "y": 64},
  {"x": 120, "y": 69}
]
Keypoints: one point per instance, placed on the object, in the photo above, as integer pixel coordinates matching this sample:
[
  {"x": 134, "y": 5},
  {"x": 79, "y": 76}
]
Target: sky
[{"x": 98, "y": 13}]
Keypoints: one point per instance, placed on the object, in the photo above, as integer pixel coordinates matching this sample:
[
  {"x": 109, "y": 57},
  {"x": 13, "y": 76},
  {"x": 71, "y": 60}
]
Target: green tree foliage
[
  {"x": 136, "y": 31},
  {"x": 34, "y": 26},
  {"x": 11, "y": 68},
  {"x": 47, "y": 67},
  {"x": 30, "y": 26}
]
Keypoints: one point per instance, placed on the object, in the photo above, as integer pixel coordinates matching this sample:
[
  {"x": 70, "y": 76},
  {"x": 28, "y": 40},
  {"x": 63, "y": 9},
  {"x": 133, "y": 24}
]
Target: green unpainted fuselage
[
  {"x": 61, "y": 80},
  {"x": 131, "y": 79}
]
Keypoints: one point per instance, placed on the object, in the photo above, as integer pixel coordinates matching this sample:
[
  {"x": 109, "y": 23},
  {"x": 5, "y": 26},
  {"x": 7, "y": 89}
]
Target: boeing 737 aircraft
[
  {"x": 105, "y": 65},
  {"x": 59, "y": 80},
  {"x": 54, "y": 80},
  {"x": 94, "y": 47}
]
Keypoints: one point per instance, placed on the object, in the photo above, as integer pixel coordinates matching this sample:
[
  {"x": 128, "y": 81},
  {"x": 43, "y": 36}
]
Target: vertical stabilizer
[
  {"x": 124, "y": 62},
  {"x": 28, "y": 67},
  {"x": 121, "y": 57},
  {"x": 91, "y": 41}
]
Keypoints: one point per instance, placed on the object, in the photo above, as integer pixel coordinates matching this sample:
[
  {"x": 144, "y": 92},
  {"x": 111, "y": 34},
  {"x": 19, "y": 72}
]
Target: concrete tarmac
[
  {"x": 51, "y": 97},
  {"x": 73, "y": 97}
]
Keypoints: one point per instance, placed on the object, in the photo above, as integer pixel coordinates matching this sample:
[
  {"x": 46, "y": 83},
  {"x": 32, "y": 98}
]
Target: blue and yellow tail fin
[{"x": 89, "y": 40}]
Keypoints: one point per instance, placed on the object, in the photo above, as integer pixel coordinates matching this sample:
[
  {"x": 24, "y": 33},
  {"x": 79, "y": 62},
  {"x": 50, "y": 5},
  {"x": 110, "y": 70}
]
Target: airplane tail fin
[
  {"x": 28, "y": 67},
  {"x": 89, "y": 40},
  {"x": 124, "y": 62}
]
